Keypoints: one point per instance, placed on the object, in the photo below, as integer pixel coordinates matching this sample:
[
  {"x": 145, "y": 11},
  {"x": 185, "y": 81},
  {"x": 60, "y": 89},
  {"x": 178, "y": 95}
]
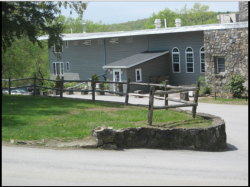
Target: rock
[
  {"x": 12, "y": 141},
  {"x": 21, "y": 142},
  {"x": 212, "y": 138}
]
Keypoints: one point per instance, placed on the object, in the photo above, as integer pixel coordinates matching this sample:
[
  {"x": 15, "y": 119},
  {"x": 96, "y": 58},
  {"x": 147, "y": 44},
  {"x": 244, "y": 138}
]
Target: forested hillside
[{"x": 140, "y": 24}]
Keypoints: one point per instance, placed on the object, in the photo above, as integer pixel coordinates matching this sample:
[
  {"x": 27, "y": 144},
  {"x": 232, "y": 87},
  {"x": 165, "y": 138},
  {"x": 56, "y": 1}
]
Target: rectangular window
[
  {"x": 220, "y": 65},
  {"x": 66, "y": 44},
  {"x": 129, "y": 39},
  {"x": 58, "y": 68},
  {"x": 57, "y": 48},
  {"x": 190, "y": 68},
  {"x": 138, "y": 75},
  {"x": 87, "y": 42},
  {"x": 100, "y": 41},
  {"x": 67, "y": 66},
  {"x": 114, "y": 40},
  {"x": 176, "y": 68},
  {"x": 75, "y": 42},
  {"x": 176, "y": 63}
]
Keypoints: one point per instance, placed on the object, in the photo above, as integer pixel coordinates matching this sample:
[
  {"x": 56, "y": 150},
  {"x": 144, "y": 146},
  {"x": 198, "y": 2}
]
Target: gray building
[{"x": 184, "y": 53}]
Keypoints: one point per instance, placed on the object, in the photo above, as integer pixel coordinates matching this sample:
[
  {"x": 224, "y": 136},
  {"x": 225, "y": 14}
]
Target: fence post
[
  {"x": 166, "y": 95},
  {"x": 34, "y": 86},
  {"x": 9, "y": 86},
  {"x": 61, "y": 88},
  {"x": 151, "y": 105},
  {"x": 196, "y": 99},
  {"x": 93, "y": 88},
  {"x": 127, "y": 91}
]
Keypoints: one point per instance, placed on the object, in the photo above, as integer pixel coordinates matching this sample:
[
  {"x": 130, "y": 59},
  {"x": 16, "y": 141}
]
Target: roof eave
[{"x": 132, "y": 65}]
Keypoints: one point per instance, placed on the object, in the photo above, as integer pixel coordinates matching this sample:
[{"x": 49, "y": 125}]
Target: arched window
[
  {"x": 202, "y": 60},
  {"x": 189, "y": 60},
  {"x": 176, "y": 60}
]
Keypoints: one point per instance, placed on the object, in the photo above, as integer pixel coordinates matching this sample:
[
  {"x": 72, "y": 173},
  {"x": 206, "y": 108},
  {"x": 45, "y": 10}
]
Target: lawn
[{"x": 36, "y": 118}]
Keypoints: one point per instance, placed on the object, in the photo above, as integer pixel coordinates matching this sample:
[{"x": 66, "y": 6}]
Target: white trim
[
  {"x": 140, "y": 62},
  {"x": 176, "y": 62},
  {"x": 67, "y": 65},
  {"x": 207, "y": 27},
  {"x": 87, "y": 42},
  {"x": 66, "y": 42},
  {"x": 139, "y": 70},
  {"x": 218, "y": 66},
  {"x": 129, "y": 39},
  {"x": 55, "y": 69},
  {"x": 186, "y": 58},
  {"x": 114, "y": 40},
  {"x": 55, "y": 49},
  {"x": 200, "y": 59},
  {"x": 116, "y": 70}
]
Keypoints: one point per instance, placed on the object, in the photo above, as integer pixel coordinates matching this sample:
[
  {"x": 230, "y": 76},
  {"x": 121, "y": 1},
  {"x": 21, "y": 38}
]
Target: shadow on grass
[{"x": 16, "y": 109}]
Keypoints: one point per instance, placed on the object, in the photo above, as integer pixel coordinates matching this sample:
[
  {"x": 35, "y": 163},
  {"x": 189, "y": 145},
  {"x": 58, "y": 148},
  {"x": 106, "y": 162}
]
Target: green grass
[
  {"x": 220, "y": 100},
  {"x": 36, "y": 118}
]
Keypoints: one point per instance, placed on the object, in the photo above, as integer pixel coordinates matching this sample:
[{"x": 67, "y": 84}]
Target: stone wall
[
  {"x": 211, "y": 138},
  {"x": 232, "y": 44},
  {"x": 243, "y": 11}
]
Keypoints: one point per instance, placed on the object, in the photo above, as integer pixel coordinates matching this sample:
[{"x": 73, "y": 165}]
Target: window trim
[
  {"x": 129, "y": 39},
  {"x": 54, "y": 49},
  {"x": 67, "y": 65},
  {"x": 176, "y": 62},
  {"x": 55, "y": 69},
  {"x": 120, "y": 78},
  {"x": 200, "y": 60},
  {"x": 66, "y": 42},
  {"x": 186, "y": 58},
  {"x": 139, "y": 74},
  {"x": 218, "y": 65}
]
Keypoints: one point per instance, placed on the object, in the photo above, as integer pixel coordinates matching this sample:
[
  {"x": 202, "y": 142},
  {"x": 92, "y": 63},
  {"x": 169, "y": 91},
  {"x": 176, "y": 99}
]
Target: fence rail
[
  {"x": 166, "y": 87},
  {"x": 151, "y": 95}
]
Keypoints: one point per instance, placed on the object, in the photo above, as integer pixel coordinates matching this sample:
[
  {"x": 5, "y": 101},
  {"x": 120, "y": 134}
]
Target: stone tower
[{"x": 243, "y": 11}]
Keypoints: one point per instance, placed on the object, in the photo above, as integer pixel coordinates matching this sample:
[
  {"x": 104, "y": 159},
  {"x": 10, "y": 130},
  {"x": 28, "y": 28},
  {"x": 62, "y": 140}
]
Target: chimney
[
  {"x": 84, "y": 27},
  {"x": 157, "y": 23},
  {"x": 165, "y": 22},
  {"x": 178, "y": 22}
]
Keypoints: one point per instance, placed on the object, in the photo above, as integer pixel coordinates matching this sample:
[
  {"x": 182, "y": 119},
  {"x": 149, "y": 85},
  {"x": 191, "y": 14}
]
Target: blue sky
[{"x": 122, "y": 11}]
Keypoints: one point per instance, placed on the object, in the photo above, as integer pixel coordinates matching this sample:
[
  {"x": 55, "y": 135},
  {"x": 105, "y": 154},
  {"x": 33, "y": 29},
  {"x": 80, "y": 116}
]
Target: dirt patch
[{"x": 88, "y": 142}]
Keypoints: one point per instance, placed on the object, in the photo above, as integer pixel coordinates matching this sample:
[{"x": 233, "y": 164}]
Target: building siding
[
  {"x": 181, "y": 41},
  {"x": 154, "y": 67},
  {"x": 122, "y": 49},
  {"x": 85, "y": 60}
]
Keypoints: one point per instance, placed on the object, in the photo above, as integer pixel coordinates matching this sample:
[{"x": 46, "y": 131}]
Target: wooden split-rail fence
[{"x": 151, "y": 107}]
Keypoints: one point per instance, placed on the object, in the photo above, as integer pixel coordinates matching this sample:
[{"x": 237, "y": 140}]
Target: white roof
[{"x": 97, "y": 35}]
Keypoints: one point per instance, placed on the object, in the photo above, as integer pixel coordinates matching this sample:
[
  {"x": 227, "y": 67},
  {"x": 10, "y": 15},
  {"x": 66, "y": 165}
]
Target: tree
[
  {"x": 198, "y": 15},
  {"x": 34, "y": 18}
]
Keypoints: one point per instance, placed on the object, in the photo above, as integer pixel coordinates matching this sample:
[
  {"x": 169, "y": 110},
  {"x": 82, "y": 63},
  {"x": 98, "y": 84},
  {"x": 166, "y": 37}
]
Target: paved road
[{"x": 31, "y": 166}]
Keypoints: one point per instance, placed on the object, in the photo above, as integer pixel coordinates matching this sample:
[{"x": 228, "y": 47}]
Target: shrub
[
  {"x": 235, "y": 84},
  {"x": 106, "y": 86},
  {"x": 57, "y": 84},
  {"x": 95, "y": 78},
  {"x": 47, "y": 84},
  {"x": 204, "y": 88}
]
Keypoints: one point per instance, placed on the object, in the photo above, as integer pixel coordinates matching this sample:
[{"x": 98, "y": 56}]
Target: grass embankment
[
  {"x": 36, "y": 118},
  {"x": 220, "y": 100}
]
